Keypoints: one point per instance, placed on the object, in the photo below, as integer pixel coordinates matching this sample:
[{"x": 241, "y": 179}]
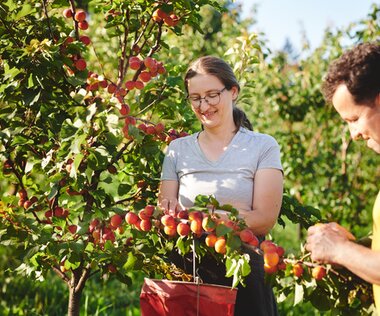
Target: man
[{"x": 352, "y": 85}]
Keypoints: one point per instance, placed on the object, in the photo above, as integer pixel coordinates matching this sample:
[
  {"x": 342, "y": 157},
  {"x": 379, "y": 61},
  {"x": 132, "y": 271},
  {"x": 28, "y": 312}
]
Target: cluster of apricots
[
  {"x": 317, "y": 272},
  {"x": 148, "y": 128},
  {"x": 79, "y": 18},
  {"x": 169, "y": 19},
  {"x": 186, "y": 223},
  {"x": 273, "y": 257},
  {"x": 53, "y": 211},
  {"x": 101, "y": 231},
  {"x": 147, "y": 69},
  {"x": 24, "y": 201}
]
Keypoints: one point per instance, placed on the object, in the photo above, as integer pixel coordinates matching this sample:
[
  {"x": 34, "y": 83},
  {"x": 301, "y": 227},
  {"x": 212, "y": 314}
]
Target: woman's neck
[{"x": 221, "y": 136}]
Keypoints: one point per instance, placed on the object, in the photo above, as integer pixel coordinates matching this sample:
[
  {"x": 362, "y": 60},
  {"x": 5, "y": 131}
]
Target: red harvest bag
[{"x": 178, "y": 298}]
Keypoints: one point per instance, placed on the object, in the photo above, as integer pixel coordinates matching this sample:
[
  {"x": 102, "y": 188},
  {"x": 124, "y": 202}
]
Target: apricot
[
  {"x": 143, "y": 214},
  {"x": 254, "y": 242},
  {"x": 270, "y": 269},
  {"x": 280, "y": 250},
  {"x": 80, "y": 16},
  {"x": 271, "y": 258},
  {"x": 210, "y": 240},
  {"x": 116, "y": 221},
  {"x": 150, "y": 63},
  {"x": 246, "y": 235},
  {"x": 195, "y": 215},
  {"x": 149, "y": 209},
  {"x": 145, "y": 76},
  {"x": 72, "y": 229},
  {"x": 159, "y": 128},
  {"x": 267, "y": 245},
  {"x": 196, "y": 226},
  {"x": 208, "y": 224},
  {"x": 134, "y": 63},
  {"x": 83, "y": 25},
  {"x": 318, "y": 272},
  {"x": 145, "y": 225},
  {"x": 139, "y": 85},
  {"x": 124, "y": 110},
  {"x": 183, "y": 229},
  {"x": 80, "y": 64},
  {"x": 297, "y": 270},
  {"x": 130, "y": 85},
  {"x": 168, "y": 221},
  {"x": 131, "y": 218},
  {"x": 67, "y": 13},
  {"x": 85, "y": 40},
  {"x": 170, "y": 230},
  {"x": 220, "y": 245},
  {"x": 111, "y": 88}
]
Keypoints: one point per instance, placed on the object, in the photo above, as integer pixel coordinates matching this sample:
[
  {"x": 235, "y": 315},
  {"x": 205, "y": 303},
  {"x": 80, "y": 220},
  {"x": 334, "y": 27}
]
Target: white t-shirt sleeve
[
  {"x": 169, "y": 165},
  {"x": 270, "y": 155}
]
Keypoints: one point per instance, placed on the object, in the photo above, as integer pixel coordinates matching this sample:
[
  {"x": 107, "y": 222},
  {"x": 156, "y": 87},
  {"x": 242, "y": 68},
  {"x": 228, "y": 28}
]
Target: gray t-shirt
[{"x": 230, "y": 178}]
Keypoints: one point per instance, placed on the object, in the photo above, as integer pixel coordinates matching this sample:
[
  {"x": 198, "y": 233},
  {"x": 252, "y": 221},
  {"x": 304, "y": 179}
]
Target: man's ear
[{"x": 377, "y": 100}]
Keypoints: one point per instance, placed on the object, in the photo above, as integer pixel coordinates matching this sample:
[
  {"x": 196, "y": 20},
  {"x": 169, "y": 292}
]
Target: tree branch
[{"x": 62, "y": 275}]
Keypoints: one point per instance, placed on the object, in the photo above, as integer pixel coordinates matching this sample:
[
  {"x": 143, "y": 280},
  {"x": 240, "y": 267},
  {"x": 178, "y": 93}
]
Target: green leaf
[
  {"x": 130, "y": 263},
  {"x": 183, "y": 244},
  {"x": 231, "y": 264},
  {"x": 298, "y": 294},
  {"x": 25, "y": 10},
  {"x": 319, "y": 298},
  {"x": 233, "y": 242},
  {"x": 222, "y": 230}
]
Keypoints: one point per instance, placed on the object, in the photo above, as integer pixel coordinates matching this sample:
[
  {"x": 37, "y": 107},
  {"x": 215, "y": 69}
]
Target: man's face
[{"x": 363, "y": 120}]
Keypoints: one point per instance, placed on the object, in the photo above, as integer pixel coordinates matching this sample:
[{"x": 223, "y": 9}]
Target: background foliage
[{"x": 46, "y": 120}]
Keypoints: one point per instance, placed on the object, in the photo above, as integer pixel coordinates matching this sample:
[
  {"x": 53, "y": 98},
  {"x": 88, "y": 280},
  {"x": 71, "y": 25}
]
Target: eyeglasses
[{"x": 211, "y": 98}]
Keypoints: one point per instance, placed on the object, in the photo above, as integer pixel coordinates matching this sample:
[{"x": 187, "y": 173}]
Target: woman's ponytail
[{"x": 241, "y": 119}]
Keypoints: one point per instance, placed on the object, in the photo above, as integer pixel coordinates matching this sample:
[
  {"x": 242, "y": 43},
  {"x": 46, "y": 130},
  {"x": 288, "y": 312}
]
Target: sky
[{"x": 280, "y": 19}]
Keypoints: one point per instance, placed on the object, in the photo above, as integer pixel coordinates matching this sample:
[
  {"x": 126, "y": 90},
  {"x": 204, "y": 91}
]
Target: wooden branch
[
  {"x": 83, "y": 278},
  {"x": 61, "y": 274},
  {"x": 48, "y": 19}
]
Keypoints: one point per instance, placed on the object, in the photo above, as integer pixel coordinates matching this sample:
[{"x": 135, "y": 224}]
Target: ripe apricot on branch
[
  {"x": 131, "y": 218},
  {"x": 270, "y": 269},
  {"x": 210, "y": 240},
  {"x": 297, "y": 270},
  {"x": 80, "y": 64},
  {"x": 220, "y": 245},
  {"x": 116, "y": 221},
  {"x": 80, "y": 16},
  {"x": 318, "y": 272},
  {"x": 67, "y": 13},
  {"x": 85, "y": 40},
  {"x": 183, "y": 229},
  {"x": 246, "y": 235},
  {"x": 83, "y": 25},
  {"x": 271, "y": 258},
  {"x": 168, "y": 221},
  {"x": 145, "y": 225}
]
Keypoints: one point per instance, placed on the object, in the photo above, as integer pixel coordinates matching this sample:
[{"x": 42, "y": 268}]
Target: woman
[{"x": 228, "y": 160}]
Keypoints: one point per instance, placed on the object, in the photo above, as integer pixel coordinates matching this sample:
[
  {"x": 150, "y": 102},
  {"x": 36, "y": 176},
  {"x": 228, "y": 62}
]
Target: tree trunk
[
  {"x": 74, "y": 301},
  {"x": 76, "y": 284}
]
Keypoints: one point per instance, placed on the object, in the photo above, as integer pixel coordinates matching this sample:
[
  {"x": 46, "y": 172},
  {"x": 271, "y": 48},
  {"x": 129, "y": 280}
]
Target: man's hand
[{"x": 324, "y": 241}]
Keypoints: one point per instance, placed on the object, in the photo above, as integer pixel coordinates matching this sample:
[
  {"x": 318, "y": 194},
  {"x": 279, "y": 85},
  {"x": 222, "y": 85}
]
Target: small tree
[{"x": 82, "y": 133}]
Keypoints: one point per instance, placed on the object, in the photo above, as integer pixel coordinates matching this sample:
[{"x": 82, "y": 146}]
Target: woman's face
[{"x": 210, "y": 100}]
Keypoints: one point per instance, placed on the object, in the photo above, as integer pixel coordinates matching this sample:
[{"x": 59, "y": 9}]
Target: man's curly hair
[{"x": 359, "y": 70}]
